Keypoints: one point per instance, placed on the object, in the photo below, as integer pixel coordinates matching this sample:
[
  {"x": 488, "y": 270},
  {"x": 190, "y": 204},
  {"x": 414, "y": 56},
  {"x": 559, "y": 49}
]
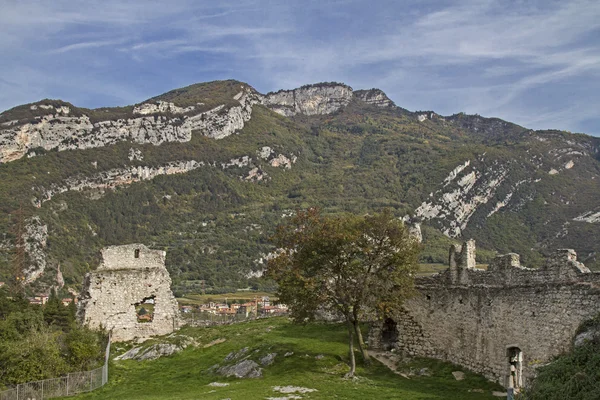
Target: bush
[{"x": 575, "y": 375}]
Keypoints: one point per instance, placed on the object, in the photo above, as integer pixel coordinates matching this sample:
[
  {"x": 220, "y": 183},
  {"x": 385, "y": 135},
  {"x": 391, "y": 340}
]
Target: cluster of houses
[
  {"x": 257, "y": 307},
  {"x": 42, "y": 299}
]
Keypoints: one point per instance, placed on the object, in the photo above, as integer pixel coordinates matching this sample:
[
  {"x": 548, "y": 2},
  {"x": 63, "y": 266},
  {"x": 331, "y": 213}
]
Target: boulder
[
  {"x": 243, "y": 369},
  {"x": 268, "y": 359},
  {"x": 458, "y": 375}
]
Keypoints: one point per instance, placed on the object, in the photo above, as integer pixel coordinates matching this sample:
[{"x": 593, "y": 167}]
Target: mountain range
[{"x": 206, "y": 172}]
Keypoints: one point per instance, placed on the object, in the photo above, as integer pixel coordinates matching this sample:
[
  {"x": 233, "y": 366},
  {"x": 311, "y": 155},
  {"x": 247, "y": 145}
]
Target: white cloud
[{"x": 476, "y": 55}]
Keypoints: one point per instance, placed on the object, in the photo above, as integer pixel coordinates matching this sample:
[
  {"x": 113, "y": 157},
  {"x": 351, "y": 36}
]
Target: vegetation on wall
[{"x": 574, "y": 375}]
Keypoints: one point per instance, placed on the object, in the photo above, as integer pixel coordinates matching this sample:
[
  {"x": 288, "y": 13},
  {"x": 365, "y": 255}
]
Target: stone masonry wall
[
  {"x": 122, "y": 280},
  {"x": 473, "y": 317}
]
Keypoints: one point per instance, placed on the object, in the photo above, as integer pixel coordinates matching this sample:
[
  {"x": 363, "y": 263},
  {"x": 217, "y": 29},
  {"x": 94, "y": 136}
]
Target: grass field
[
  {"x": 430, "y": 269},
  {"x": 185, "y": 375},
  {"x": 197, "y": 299}
]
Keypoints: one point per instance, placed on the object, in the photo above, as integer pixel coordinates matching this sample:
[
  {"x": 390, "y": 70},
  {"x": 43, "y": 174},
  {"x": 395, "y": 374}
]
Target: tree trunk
[
  {"x": 351, "y": 348},
  {"x": 361, "y": 343}
]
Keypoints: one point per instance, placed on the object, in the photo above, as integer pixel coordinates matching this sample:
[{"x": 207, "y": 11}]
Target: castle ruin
[
  {"x": 503, "y": 322},
  {"x": 129, "y": 294}
]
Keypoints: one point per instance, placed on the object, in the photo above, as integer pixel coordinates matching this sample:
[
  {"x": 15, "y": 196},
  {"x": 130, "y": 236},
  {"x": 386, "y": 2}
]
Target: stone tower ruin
[
  {"x": 129, "y": 294},
  {"x": 503, "y": 322}
]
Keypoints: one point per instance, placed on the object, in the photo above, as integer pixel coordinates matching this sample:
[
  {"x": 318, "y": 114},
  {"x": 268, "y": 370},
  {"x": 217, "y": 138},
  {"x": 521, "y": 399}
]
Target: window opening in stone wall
[
  {"x": 136, "y": 253},
  {"x": 515, "y": 365},
  {"x": 144, "y": 310},
  {"x": 389, "y": 334}
]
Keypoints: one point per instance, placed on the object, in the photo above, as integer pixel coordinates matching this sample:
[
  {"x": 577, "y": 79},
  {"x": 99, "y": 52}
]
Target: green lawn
[
  {"x": 185, "y": 376},
  {"x": 430, "y": 269}
]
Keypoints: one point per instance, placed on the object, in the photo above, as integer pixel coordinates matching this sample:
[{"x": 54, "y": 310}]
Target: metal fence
[
  {"x": 71, "y": 384},
  {"x": 205, "y": 319}
]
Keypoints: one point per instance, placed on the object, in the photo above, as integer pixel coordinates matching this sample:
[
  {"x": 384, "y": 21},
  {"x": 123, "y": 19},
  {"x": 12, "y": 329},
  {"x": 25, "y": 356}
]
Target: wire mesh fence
[
  {"x": 194, "y": 318},
  {"x": 71, "y": 384}
]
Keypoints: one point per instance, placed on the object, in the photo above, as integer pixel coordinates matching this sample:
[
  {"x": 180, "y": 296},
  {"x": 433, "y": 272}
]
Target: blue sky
[{"x": 536, "y": 63}]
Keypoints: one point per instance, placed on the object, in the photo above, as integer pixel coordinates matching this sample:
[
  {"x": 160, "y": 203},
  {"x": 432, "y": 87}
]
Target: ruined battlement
[
  {"x": 129, "y": 294},
  {"x": 506, "y": 271},
  {"x": 503, "y": 322},
  {"x": 131, "y": 256}
]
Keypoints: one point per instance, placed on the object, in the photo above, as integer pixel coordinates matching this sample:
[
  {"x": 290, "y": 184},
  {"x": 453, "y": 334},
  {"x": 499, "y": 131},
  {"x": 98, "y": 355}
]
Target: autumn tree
[{"x": 352, "y": 265}]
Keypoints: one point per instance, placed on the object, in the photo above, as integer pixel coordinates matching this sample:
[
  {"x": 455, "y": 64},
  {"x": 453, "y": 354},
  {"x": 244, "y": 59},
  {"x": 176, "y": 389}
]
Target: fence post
[
  {"x": 18, "y": 392},
  {"x": 42, "y": 390},
  {"x": 510, "y": 394},
  {"x": 67, "y": 384},
  {"x": 91, "y": 381}
]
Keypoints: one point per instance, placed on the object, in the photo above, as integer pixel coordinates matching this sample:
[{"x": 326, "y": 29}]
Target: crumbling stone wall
[
  {"x": 127, "y": 276},
  {"x": 476, "y": 318}
]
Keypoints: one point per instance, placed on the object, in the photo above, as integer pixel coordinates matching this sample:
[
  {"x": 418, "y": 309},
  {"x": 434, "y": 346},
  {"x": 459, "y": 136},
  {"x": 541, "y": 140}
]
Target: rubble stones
[
  {"x": 458, "y": 375},
  {"x": 268, "y": 359},
  {"x": 151, "y": 353},
  {"x": 234, "y": 355}
]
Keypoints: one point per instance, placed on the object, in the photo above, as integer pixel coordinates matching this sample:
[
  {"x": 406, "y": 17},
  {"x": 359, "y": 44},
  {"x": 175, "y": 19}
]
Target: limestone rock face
[
  {"x": 243, "y": 369},
  {"x": 151, "y": 353},
  {"x": 128, "y": 276},
  {"x": 375, "y": 97},
  {"x": 161, "y": 107},
  {"x": 466, "y": 189},
  {"x": 316, "y": 99},
  {"x": 35, "y": 237},
  {"x": 114, "y": 177},
  {"x": 64, "y": 132},
  {"x": 157, "y": 122}
]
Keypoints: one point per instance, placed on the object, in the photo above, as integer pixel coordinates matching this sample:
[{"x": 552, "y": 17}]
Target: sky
[{"x": 535, "y": 63}]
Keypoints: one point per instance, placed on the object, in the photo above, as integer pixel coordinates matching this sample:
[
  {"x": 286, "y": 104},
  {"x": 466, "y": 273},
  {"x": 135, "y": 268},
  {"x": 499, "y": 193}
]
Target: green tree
[
  {"x": 37, "y": 356},
  {"x": 572, "y": 375},
  {"x": 56, "y": 314},
  {"x": 84, "y": 348},
  {"x": 348, "y": 264}
]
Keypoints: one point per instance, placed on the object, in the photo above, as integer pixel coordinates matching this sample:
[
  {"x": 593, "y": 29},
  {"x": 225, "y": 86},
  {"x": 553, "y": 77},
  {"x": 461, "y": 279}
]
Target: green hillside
[
  {"x": 318, "y": 362},
  {"x": 215, "y": 224}
]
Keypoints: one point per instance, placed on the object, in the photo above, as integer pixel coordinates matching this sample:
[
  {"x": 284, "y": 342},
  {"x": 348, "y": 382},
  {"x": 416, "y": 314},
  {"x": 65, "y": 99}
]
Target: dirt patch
[{"x": 216, "y": 341}]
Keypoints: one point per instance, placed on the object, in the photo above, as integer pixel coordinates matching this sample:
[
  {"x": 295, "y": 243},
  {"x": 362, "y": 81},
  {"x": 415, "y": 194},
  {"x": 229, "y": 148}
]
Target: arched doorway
[
  {"x": 389, "y": 334},
  {"x": 515, "y": 367}
]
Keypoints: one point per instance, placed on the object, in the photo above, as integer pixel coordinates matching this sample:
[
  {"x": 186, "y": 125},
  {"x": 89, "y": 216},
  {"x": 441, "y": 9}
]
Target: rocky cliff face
[
  {"x": 159, "y": 122},
  {"x": 110, "y": 179},
  {"x": 464, "y": 176},
  {"x": 375, "y": 97},
  {"x": 316, "y": 99},
  {"x": 36, "y": 236},
  {"x": 464, "y": 190},
  {"x": 156, "y": 122}
]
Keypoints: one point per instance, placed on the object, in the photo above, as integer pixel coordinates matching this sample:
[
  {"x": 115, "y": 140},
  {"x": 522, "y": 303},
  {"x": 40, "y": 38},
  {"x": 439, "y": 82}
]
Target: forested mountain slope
[{"x": 206, "y": 172}]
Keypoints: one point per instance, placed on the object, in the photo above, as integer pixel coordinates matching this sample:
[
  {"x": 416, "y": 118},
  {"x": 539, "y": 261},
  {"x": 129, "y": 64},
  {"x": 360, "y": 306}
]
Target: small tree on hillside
[{"x": 349, "y": 264}]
